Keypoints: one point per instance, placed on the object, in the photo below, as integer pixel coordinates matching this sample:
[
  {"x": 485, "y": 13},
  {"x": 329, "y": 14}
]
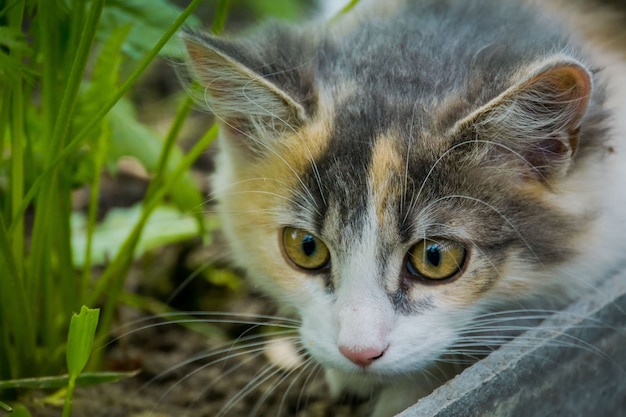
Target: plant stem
[
  {"x": 170, "y": 140},
  {"x": 13, "y": 299},
  {"x": 17, "y": 307},
  {"x": 101, "y": 154},
  {"x": 113, "y": 277},
  {"x": 70, "y": 92},
  {"x": 220, "y": 17},
  {"x": 16, "y": 16},
  {"x": 51, "y": 263},
  {"x": 345, "y": 9},
  {"x": 69, "y": 396}
]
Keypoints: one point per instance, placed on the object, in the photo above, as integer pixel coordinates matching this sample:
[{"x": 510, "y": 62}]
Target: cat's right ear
[
  {"x": 538, "y": 119},
  {"x": 252, "y": 110}
]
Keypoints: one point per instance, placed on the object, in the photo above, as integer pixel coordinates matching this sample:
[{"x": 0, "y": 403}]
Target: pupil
[
  {"x": 433, "y": 255},
  {"x": 308, "y": 245}
]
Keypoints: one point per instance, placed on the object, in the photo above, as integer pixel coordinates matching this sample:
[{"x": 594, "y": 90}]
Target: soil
[{"x": 172, "y": 381}]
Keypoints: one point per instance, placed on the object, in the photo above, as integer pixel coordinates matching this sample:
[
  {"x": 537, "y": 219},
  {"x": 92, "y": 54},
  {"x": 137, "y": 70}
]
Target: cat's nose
[{"x": 362, "y": 357}]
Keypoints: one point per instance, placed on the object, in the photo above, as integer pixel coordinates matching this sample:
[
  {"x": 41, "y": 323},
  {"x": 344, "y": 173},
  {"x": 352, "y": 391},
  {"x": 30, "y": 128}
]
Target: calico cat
[{"x": 398, "y": 173}]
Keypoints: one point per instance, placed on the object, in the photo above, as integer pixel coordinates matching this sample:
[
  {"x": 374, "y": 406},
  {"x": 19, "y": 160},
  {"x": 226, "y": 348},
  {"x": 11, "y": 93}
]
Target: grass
[
  {"x": 66, "y": 67},
  {"x": 61, "y": 76}
]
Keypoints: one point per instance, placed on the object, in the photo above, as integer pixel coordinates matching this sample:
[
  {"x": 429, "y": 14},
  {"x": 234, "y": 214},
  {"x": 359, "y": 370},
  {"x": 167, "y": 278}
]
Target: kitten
[{"x": 395, "y": 174}]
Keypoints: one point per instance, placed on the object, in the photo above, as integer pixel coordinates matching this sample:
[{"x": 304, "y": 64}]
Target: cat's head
[{"x": 389, "y": 212}]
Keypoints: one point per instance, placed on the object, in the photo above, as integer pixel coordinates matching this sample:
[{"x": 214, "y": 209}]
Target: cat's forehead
[{"x": 370, "y": 167}]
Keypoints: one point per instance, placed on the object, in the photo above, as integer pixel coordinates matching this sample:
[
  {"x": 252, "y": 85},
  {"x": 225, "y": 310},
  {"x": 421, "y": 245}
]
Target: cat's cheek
[
  {"x": 318, "y": 332},
  {"x": 418, "y": 340}
]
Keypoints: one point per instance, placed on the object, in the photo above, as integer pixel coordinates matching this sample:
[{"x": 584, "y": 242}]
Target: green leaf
[
  {"x": 104, "y": 79},
  {"x": 281, "y": 9},
  {"x": 219, "y": 21},
  {"x": 20, "y": 411},
  {"x": 12, "y": 68},
  {"x": 131, "y": 138},
  {"x": 166, "y": 225},
  {"x": 56, "y": 382},
  {"x": 80, "y": 339},
  {"x": 348, "y": 7},
  {"x": 149, "y": 20},
  {"x": 6, "y": 407}
]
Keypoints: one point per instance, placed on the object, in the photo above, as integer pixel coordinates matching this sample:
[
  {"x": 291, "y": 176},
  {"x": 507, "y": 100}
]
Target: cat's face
[
  {"x": 390, "y": 248},
  {"x": 388, "y": 221}
]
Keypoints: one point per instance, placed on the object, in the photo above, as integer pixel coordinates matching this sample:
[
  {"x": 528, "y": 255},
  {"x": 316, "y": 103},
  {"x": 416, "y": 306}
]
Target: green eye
[
  {"x": 436, "y": 259},
  {"x": 305, "y": 250}
]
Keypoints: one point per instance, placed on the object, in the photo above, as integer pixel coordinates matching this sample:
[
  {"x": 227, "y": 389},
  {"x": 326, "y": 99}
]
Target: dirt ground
[{"x": 180, "y": 375}]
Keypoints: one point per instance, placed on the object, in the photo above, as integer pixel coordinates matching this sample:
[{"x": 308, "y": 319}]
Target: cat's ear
[
  {"x": 251, "y": 108},
  {"x": 538, "y": 119}
]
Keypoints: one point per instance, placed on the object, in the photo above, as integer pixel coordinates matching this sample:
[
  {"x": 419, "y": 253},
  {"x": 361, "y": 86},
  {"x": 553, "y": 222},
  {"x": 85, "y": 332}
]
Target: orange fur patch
[
  {"x": 386, "y": 173},
  {"x": 265, "y": 185}
]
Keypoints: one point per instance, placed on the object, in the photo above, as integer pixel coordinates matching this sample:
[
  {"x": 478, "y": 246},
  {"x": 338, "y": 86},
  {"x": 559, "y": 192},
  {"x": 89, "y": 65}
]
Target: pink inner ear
[
  {"x": 540, "y": 118},
  {"x": 568, "y": 86},
  {"x": 546, "y": 155}
]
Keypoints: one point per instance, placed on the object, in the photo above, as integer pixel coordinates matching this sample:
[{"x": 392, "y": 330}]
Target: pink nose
[{"x": 362, "y": 357}]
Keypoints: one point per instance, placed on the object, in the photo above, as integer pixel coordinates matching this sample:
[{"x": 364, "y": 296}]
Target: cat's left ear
[
  {"x": 538, "y": 119},
  {"x": 252, "y": 109}
]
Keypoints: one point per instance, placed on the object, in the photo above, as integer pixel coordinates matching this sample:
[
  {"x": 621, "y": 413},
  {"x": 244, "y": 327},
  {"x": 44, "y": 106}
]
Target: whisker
[
  {"x": 565, "y": 340},
  {"x": 255, "y": 353},
  {"x": 171, "y": 317},
  {"x": 269, "y": 372},
  {"x": 276, "y": 384},
  {"x": 317, "y": 368},
  {"x": 203, "y": 313},
  {"x": 234, "y": 368},
  {"x": 405, "y": 185},
  {"x": 225, "y": 348}
]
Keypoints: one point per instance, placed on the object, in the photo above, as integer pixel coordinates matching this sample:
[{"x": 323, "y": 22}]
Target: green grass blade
[
  {"x": 184, "y": 109},
  {"x": 15, "y": 307},
  {"x": 47, "y": 44},
  {"x": 80, "y": 339},
  {"x": 104, "y": 80},
  {"x": 113, "y": 277},
  {"x": 79, "y": 343},
  {"x": 345, "y": 9},
  {"x": 220, "y": 17},
  {"x": 16, "y": 16},
  {"x": 57, "y": 382},
  {"x": 71, "y": 147},
  {"x": 50, "y": 265},
  {"x": 92, "y": 212},
  {"x": 129, "y": 137},
  {"x": 70, "y": 92},
  {"x": 6, "y": 407},
  {"x": 170, "y": 140},
  {"x": 18, "y": 338}
]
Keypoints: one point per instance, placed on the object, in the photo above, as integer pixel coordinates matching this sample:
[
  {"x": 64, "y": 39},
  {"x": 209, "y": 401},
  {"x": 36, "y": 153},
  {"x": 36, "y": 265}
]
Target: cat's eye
[
  {"x": 436, "y": 259},
  {"x": 305, "y": 250}
]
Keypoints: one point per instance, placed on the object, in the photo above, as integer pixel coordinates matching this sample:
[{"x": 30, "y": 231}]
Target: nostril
[{"x": 362, "y": 357}]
